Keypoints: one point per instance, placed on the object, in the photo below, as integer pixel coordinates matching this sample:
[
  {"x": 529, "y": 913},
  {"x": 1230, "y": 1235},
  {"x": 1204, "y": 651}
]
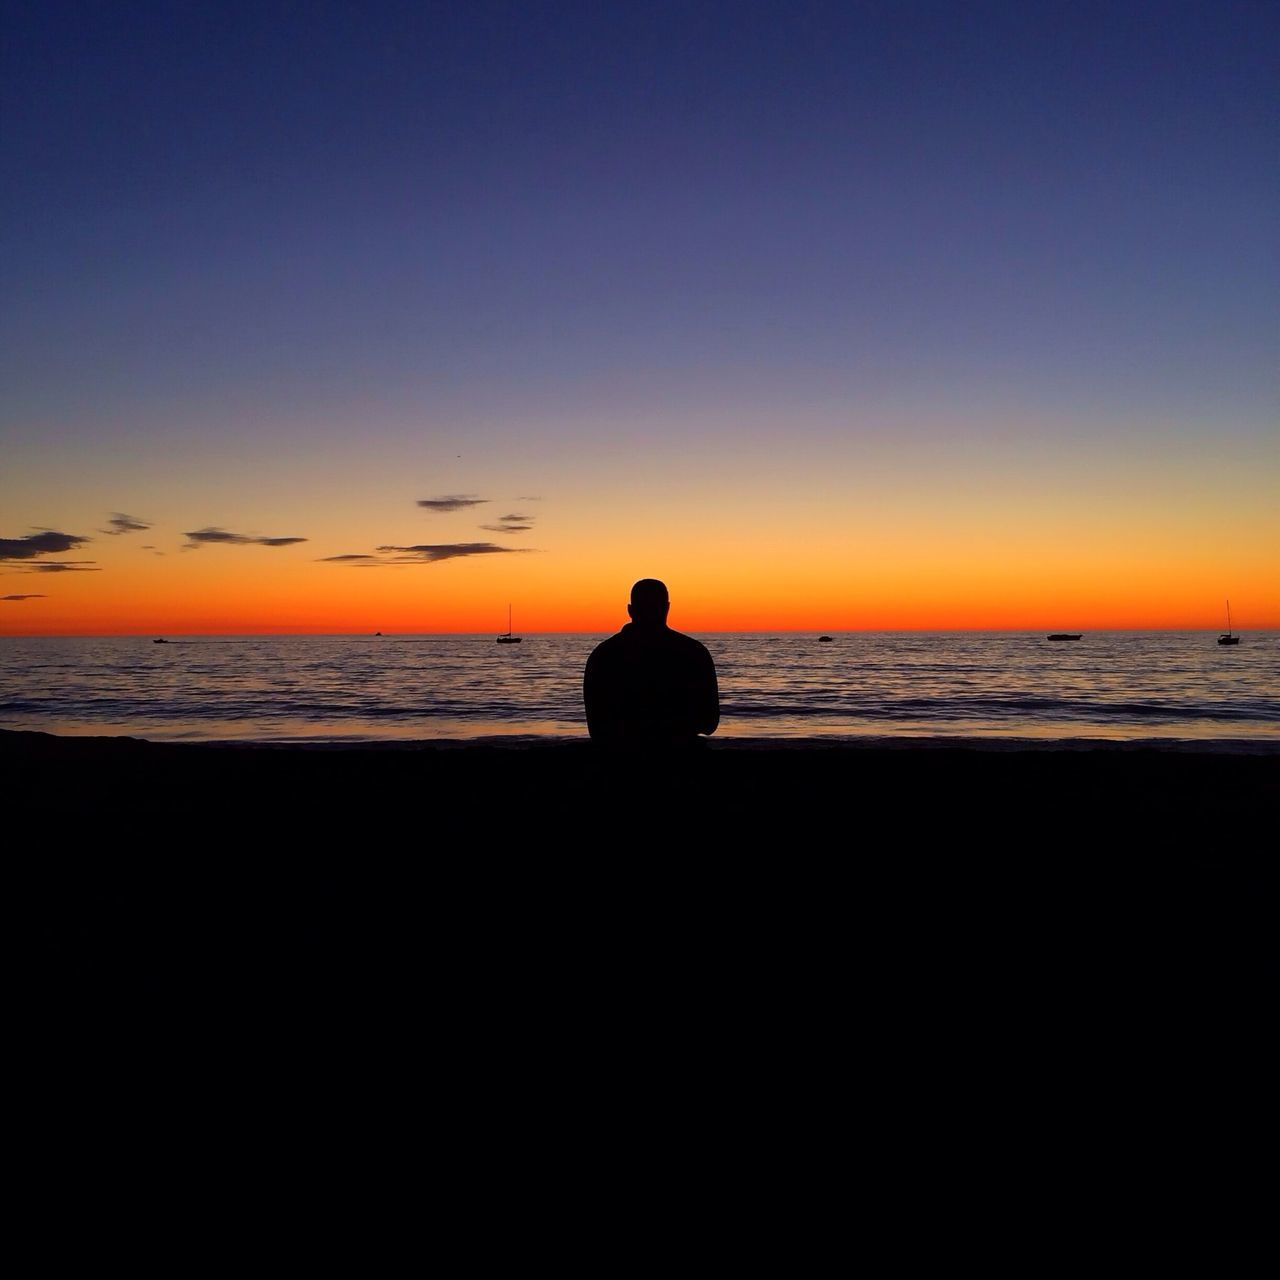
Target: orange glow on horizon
[
  {"x": 833, "y": 541},
  {"x": 421, "y": 599}
]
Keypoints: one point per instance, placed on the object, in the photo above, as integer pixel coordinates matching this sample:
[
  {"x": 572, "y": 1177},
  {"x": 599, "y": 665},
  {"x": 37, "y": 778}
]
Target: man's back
[{"x": 649, "y": 685}]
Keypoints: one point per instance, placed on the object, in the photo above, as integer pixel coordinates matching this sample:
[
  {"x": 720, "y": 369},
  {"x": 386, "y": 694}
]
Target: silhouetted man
[{"x": 649, "y": 685}]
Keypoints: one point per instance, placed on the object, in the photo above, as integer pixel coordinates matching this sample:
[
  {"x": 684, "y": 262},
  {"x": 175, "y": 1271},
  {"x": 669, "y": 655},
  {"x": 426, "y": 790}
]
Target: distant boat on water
[
  {"x": 159, "y": 642},
  {"x": 1228, "y": 638},
  {"x": 1066, "y": 635},
  {"x": 508, "y": 638},
  {"x": 824, "y": 639}
]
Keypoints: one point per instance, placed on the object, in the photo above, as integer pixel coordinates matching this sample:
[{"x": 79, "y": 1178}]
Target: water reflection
[{"x": 1109, "y": 685}]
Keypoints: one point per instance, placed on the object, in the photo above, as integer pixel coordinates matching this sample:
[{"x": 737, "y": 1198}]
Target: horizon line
[{"x": 126, "y": 635}]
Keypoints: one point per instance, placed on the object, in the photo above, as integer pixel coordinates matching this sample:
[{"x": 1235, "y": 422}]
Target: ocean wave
[
  {"x": 1167, "y": 684},
  {"x": 1007, "y": 708}
]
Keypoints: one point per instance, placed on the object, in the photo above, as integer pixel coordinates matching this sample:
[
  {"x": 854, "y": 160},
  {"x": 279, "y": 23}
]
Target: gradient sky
[{"x": 831, "y": 315}]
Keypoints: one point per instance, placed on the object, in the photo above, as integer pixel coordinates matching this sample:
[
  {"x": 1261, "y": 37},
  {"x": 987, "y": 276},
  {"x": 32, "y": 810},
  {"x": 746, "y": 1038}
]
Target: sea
[{"x": 1111, "y": 685}]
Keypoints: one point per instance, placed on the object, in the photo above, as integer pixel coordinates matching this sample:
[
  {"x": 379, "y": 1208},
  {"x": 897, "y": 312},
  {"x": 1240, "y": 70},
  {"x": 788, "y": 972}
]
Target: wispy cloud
[
  {"x": 351, "y": 558},
  {"x": 510, "y": 524},
  {"x": 35, "y": 596},
  {"x": 451, "y": 502},
  {"x": 203, "y": 537},
  {"x": 430, "y": 553},
  {"x": 48, "y": 542},
  {"x": 121, "y": 523},
  {"x": 64, "y": 566}
]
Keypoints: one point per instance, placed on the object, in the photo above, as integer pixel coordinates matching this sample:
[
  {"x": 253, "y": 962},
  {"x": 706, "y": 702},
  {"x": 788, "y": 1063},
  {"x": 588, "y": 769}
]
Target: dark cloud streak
[
  {"x": 431, "y": 553},
  {"x": 451, "y": 502},
  {"x": 513, "y": 523},
  {"x": 33, "y": 596},
  {"x": 48, "y": 542},
  {"x": 221, "y": 537},
  {"x": 121, "y": 523}
]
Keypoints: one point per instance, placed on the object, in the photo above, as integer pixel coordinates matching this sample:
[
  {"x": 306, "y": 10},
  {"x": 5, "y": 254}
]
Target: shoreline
[{"x": 31, "y": 739}]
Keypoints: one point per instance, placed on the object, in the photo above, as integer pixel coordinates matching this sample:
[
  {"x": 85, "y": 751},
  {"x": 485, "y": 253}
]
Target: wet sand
[{"x": 1003, "y": 870}]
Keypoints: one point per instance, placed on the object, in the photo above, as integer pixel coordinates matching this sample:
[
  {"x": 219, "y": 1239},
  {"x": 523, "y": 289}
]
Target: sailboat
[
  {"x": 509, "y": 638},
  {"x": 1228, "y": 638}
]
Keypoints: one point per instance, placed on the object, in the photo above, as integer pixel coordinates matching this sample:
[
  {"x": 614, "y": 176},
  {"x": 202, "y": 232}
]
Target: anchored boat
[
  {"x": 1228, "y": 638},
  {"x": 508, "y": 638}
]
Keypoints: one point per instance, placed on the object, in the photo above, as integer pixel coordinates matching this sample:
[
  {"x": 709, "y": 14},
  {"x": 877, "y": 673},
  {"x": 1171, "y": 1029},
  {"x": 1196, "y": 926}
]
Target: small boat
[
  {"x": 508, "y": 638},
  {"x": 824, "y": 639},
  {"x": 159, "y": 642},
  {"x": 1228, "y": 638},
  {"x": 377, "y": 633},
  {"x": 1065, "y": 635}
]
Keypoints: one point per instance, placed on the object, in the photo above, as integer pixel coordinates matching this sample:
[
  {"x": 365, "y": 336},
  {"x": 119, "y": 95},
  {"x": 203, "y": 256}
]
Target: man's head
[{"x": 649, "y": 603}]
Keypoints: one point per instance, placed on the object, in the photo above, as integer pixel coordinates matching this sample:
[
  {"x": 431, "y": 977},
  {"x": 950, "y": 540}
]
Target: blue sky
[{"x": 400, "y": 234}]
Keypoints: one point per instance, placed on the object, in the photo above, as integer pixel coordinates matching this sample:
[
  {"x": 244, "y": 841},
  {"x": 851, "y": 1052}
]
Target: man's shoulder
[
  {"x": 678, "y": 639},
  {"x": 608, "y": 645},
  {"x": 629, "y": 638},
  {"x": 610, "y": 642}
]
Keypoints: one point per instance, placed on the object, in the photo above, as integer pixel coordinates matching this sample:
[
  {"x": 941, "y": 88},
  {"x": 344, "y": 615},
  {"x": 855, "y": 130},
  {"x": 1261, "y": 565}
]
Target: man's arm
[
  {"x": 595, "y": 697},
  {"x": 590, "y": 695},
  {"x": 708, "y": 694}
]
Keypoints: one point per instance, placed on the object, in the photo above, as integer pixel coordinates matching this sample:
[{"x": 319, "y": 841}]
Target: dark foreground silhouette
[
  {"x": 650, "y": 686},
  {"x": 1012, "y": 874},
  {"x": 925, "y": 959},
  {"x": 906, "y": 941}
]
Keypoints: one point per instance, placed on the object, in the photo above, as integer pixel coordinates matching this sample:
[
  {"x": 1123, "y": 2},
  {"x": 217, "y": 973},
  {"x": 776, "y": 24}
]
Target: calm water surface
[{"x": 1120, "y": 685}]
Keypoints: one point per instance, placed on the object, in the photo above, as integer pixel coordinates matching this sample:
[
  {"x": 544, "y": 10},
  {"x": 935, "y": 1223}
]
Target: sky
[{"x": 346, "y": 317}]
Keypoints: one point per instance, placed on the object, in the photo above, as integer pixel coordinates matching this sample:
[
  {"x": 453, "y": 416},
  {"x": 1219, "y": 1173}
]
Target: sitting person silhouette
[{"x": 650, "y": 686}]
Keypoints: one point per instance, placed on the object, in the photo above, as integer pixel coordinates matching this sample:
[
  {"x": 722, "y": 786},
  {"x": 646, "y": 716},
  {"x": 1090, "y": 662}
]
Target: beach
[{"x": 999, "y": 873}]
